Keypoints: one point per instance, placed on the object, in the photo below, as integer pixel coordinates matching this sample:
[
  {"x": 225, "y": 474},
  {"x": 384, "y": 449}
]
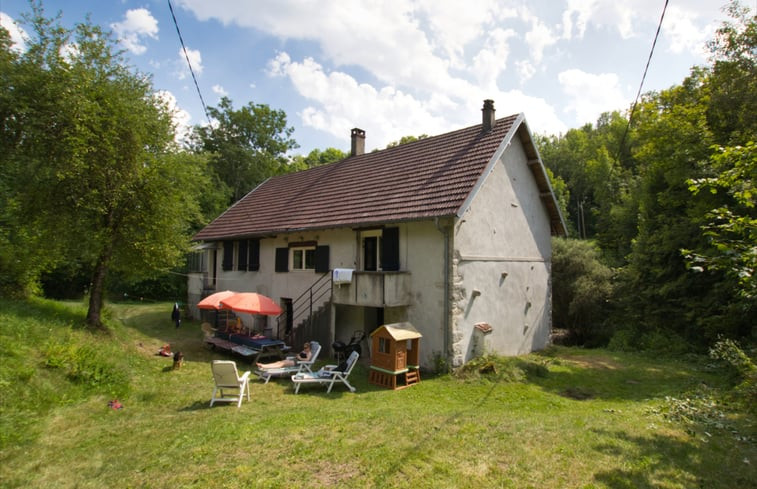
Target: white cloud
[
  {"x": 589, "y": 95},
  {"x": 538, "y": 38},
  {"x": 195, "y": 59},
  {"x": 685, "y": 35},
  {"x": 180, "y": 117},
  {"x": 137, "y": 24},
  {"x": 491, "y": 61},
  {"x": 220, "y": 91},
  {"x": 19, "y": 37}
]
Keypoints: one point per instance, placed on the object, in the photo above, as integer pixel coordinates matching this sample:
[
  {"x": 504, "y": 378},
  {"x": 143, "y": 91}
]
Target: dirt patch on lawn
[{"x": 595, "y": 362}]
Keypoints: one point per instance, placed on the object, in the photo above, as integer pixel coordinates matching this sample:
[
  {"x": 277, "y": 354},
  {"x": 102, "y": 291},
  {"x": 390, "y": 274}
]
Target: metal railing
[{"x": 304, "y": 307}]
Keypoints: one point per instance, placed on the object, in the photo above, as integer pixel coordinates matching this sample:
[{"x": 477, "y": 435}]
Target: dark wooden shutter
[
  {"x": 254, "y": 264},
  {"x": 321, "y": 259},
  {"x": 228, "y": 255},
  {"x": 242, "y": 256},
  {"x": 390, "y": 249},
  {"x": 282, "y": 259}
]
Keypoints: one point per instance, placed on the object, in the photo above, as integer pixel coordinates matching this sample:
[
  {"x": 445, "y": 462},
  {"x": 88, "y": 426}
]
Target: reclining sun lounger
[
  {"x": 328, "y": 375},
  {"x": 298, "y": 367}
]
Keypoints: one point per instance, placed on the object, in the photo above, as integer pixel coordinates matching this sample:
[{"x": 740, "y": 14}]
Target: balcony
[{"x": 374, "y": 289}]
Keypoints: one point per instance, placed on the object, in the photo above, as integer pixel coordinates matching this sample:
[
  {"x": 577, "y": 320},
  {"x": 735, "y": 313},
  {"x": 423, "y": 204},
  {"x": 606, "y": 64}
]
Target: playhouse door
[{"x": 400, "y": 359}]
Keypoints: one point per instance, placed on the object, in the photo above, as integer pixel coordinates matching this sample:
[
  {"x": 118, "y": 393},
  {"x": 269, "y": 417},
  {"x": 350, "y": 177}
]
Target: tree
[
  {"x": 732, "y": 227},
  {"x": 246, "y": 146},
  {"x": 315, "y": 158},
  {"x": 581, "y": 291},
  {"x": 405, "y": 140},
  {"x": 94, "y": 173}
]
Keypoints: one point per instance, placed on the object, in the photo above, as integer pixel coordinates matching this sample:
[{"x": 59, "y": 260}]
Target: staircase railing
[{"x": 305, "y": 306}]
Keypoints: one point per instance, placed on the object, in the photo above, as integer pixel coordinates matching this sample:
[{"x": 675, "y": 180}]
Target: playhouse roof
[{"x": 399, "y": 331}]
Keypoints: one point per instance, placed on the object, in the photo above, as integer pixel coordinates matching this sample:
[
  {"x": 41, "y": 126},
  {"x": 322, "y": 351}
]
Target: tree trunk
[{"x": 97, "y": 289}]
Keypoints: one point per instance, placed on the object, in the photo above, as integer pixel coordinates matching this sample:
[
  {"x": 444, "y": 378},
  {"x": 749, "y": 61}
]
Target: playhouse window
[{"x": 383, "y": 345}]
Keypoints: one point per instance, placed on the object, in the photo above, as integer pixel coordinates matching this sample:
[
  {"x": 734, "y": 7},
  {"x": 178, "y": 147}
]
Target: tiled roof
[{"x": 428, "y": 178}]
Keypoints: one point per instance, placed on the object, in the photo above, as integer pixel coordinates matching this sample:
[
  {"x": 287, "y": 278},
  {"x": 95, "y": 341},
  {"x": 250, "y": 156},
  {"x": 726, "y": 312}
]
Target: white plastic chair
[
  {"x": 328, "y": 375},
  {"x": 226, "y": 377}
]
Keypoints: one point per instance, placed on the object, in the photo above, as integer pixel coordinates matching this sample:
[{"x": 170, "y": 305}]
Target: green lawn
[{"x": 566, "y": 418}]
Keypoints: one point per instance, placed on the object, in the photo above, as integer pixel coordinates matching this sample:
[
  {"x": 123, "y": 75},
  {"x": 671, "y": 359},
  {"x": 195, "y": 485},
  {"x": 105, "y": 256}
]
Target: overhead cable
[
  {"x": 184, "y": 48},
  {"x": 643, "y": 77}
]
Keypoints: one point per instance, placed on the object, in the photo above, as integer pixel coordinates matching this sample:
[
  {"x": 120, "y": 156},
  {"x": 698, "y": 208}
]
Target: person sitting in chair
[{"x": 303, "y": 356}]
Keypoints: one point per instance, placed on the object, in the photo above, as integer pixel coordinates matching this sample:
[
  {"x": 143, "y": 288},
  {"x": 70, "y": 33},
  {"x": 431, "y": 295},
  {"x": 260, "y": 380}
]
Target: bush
[
  {"x": 581, "y": 289},
  {"x": 743, "y": 372}
]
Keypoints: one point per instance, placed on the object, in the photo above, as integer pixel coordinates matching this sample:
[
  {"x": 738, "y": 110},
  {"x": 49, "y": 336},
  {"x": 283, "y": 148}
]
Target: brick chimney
[
  {"x": 358, "y": 142},
  {"x": 487, "y": 115}
]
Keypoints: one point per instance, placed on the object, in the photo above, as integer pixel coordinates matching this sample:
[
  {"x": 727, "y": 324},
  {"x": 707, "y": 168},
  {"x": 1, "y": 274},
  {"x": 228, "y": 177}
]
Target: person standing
[{"x": 176, "y": 314}]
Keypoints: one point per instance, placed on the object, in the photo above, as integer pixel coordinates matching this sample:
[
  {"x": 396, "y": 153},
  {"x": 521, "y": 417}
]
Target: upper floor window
[
  {"x": 303, "y": 258},
  {"x": 380, "y": 249}
]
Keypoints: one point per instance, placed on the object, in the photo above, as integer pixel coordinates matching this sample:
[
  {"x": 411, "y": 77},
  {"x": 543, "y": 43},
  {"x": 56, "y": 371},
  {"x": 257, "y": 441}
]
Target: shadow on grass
[
  {"x": 418, "y": 450},
  {"x": 199, "y": 406},
  {"x": 666, "y": 461},
  {"x": 615, "y": 378}
]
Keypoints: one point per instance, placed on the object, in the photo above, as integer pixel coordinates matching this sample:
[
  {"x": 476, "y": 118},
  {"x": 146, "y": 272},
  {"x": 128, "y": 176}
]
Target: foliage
[
  {"x": 743, "y": 371},
  {"x": 245, "y": 145},
  {"x": 405, "y": 140},
  {"x": 732, "y": 227},
  {"x": 582, "y": 287},
  {"x": 94, "y": 175},
  {"x": 315, "y": 158}
]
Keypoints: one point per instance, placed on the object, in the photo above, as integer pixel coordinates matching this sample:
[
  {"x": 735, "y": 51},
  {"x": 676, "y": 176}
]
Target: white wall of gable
[{"x": 502, "y": 265}]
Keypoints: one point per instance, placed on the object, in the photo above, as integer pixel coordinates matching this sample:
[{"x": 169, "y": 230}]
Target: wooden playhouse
[{"x": 395, "y": 356}]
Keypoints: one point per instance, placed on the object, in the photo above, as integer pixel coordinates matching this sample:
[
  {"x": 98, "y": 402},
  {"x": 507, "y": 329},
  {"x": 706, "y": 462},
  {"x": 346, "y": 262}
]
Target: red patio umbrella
[
  {"x": 252, "y": 303},
  {"x": 213, "y": 301}
]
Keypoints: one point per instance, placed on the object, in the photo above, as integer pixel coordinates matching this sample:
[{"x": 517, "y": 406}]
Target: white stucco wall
[{"x": 501, "y": 265}]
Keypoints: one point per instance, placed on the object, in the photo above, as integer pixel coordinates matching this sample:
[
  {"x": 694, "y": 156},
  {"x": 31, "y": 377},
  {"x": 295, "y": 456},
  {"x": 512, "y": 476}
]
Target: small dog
[{"x": 178, "y": 360}]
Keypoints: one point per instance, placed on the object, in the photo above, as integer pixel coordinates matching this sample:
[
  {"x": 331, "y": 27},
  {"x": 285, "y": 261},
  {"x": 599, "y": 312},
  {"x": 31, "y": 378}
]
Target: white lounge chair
[
  {"x": 226, "y": 377},
  {"x": 299, "y": 366},
  {"x": 329, "y": 375}
]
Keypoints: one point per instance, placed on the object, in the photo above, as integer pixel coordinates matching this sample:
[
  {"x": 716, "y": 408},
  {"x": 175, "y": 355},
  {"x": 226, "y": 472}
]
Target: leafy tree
[
  {"x": 732, "y": 227},
  {"x": 93, "y": 172},
  {"x": 733, "y": 82},
  {"x": 246, "y": 146},
  {"x": 315, "y": 158},
  {"x": 582, "y": 287},
  {"x": 405, "y": 140}
]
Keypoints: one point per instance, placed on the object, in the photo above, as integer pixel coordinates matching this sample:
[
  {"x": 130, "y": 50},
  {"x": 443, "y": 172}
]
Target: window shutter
[
  {"x": 390, "y": 249},
  {"x": 254, "y": 264},
  {"x": 242, "y": 258},
  {"x": 321, "y": 259},
  {"x": 282, "y": 259},
  {"x": 228, "y": 255}
]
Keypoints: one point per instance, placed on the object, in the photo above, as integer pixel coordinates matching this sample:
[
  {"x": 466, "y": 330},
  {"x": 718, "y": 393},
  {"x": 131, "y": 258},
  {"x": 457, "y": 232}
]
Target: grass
[{"x": 565, "y": 418}]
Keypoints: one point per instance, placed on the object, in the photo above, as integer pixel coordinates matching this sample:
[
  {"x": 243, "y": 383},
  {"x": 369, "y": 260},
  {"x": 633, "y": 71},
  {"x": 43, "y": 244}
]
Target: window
[
  {"x": 303, "y": 258},
  {"x": 381, "y": 249},
  {"x": 384, "y": 345}
]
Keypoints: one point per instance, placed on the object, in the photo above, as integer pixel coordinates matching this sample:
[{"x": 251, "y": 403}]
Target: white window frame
[
  {"x": 303, "y": 250},
  {"x": 374, "y": 233}
]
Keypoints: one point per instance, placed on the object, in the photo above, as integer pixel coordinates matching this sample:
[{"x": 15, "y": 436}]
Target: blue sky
[{"x": 402, "y": 67}]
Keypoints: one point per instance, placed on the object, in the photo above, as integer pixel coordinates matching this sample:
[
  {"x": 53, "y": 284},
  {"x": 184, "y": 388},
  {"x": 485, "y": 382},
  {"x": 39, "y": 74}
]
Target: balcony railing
[{"x": 374, "y": 289}]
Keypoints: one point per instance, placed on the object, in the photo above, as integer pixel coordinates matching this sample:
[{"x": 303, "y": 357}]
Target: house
[{"x": 445, "y": 233}]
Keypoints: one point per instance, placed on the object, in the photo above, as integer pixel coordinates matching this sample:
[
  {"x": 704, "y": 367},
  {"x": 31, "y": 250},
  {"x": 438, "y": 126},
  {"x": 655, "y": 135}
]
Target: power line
[
  {"x": 643, "y": 77},
  {"x": 184, "y": 48}
]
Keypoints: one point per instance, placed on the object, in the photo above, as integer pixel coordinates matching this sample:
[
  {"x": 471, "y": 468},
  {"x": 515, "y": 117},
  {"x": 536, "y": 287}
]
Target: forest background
[{"x": 99, "y": 200}]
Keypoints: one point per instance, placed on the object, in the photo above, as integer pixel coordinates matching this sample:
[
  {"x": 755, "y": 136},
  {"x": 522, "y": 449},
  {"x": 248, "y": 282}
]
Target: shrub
[{"x": 581, "y": 290}]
